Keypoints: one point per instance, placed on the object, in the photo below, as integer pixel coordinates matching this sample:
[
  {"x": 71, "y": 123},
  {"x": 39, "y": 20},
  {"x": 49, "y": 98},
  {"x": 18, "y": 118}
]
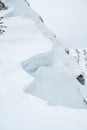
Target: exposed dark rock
[
  {"x": 41, "y": 19},
  {"x": 1, "y": 18},
  {"x": 81, "y": 79},
  {"x": 67, "y": 51},
  {"x": 27, "y": 2},
  {"x": 54, "y": 35},
  {"x": 2, "y": 6},
  {"x": 85, "y": 101},
  {"x": 2, "y": 27}
]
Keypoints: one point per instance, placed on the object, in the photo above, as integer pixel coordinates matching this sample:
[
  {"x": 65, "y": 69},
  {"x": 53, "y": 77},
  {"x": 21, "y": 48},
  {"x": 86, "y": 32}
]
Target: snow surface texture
[{"x": 53, "y": 76}]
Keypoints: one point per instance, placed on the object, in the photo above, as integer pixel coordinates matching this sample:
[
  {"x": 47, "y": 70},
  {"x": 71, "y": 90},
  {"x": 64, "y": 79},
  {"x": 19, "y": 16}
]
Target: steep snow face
[
  {"x": 56, "y": 86},
  {"x": 54, "y": 83}
]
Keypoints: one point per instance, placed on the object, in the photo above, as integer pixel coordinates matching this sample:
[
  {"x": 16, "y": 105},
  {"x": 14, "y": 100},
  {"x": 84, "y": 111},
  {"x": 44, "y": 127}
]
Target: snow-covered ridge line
[
  {"x": 25, "y": 10},
  {"x": 27, "y": 2}
]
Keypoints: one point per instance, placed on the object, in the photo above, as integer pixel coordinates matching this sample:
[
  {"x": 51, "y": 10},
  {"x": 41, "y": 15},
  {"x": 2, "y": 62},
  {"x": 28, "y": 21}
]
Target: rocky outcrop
[
  {"x": 2, "y": 27},
  {"x": 2, "y": 6}
]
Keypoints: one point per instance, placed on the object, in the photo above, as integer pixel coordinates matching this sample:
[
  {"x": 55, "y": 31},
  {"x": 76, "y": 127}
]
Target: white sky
[{"x": 67, "y": 18}]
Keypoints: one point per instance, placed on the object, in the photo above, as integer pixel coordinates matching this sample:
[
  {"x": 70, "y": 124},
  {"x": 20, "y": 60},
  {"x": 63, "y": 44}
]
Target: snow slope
[
  {"x": 20, "y": 44},
  {"x": 56, "y": 57},
  {"x": 30, "y": 13},
  {"x": 57, "y": 50},
  {"x": 16, "y": 45}
]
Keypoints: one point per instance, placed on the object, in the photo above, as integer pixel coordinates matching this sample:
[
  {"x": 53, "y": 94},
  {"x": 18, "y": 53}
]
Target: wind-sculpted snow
[
  {"x": 45, "y": 59},
  {"x": 26, "y": 11},
  {"x": 53, "y": 80},
  {"x": 50, "y": 66},
  {"x": 55, "y": 85},
  {"x": 35, "y": 74}
]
